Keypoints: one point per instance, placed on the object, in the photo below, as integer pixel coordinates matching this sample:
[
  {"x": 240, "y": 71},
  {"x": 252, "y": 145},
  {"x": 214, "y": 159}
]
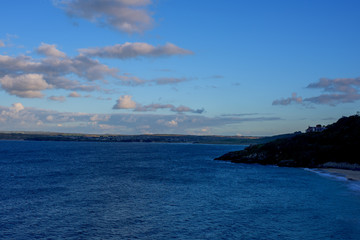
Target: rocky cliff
[{"x": 337, "y": 146}]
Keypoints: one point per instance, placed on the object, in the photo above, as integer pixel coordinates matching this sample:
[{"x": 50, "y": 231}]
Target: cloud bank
[{"x": 20, "y": 118}]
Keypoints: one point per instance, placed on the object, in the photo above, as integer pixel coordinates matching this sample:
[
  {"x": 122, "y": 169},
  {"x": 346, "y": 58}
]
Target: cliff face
[{"x": 337, "y": 145}]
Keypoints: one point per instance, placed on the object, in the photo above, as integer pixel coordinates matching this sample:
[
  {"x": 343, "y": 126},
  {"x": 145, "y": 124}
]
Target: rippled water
[{"x": 79, "y": 190}]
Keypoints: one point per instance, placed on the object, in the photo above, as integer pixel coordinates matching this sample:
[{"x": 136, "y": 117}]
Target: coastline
[{"x": 353, "y": 175}]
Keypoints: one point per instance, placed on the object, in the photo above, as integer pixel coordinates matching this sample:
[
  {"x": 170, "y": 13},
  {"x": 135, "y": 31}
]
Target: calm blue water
[{"x": 79, "y": 190}]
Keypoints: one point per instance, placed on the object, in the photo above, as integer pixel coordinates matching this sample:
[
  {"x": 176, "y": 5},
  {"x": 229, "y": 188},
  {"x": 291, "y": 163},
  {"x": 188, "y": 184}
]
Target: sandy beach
[{"x": 349, "y": 174}]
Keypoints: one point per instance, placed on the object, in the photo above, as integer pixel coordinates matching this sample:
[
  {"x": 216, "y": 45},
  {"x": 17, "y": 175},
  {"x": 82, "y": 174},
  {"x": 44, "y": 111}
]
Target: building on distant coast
[{"x": 318, "y": 128}]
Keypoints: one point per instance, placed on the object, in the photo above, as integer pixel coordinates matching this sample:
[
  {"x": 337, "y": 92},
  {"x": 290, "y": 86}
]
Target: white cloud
[
  {"x": 133, "y": 50},
  {"x": 17, "y": 107},
  {"x": 50, "y": 50},
  {"x": 125, "y": 102},
  {"x": 100, "y": 117},
  {"x": 74, "y": 95},
  {"x": 25, "y": 85},
  {"x": 16, "y": 114},
  {"x": 49, "y": 118},
  {"x": 128, "y": 16},
  {"x": 172, "y": 123}
]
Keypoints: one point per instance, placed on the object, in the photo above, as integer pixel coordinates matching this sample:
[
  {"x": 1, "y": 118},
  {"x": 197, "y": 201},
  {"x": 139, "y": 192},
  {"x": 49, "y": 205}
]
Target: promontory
[{"x": 335, "y": 146}]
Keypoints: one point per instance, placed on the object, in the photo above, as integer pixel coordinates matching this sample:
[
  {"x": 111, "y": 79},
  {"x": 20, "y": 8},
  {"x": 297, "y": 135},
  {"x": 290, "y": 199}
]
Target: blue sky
[{"x": 205, "y": 67}]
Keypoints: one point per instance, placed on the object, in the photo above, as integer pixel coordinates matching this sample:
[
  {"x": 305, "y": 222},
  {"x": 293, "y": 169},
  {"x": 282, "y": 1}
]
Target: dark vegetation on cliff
[{"x": 337, "y": 146}]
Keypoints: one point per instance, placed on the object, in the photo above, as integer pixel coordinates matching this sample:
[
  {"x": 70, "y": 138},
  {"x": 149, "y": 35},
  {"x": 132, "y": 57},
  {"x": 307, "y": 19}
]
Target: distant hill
[
  {"x": 168, "y": 138},
  {"x": 337, "y": 146}
]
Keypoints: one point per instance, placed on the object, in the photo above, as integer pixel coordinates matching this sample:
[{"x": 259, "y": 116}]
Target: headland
[{"x": 335, "y": 147}]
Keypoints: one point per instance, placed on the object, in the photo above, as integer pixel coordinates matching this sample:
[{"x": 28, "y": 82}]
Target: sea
[{"x": 104, "y": 190}]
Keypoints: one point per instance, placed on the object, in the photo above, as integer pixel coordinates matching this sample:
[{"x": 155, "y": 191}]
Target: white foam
[
  {"x": 323, "y": 173},
  {"x": 353, "y": 185}
]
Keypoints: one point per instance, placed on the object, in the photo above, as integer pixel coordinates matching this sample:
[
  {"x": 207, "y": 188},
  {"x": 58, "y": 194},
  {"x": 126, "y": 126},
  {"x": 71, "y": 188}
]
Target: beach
[{"x": 349, "y": 174}]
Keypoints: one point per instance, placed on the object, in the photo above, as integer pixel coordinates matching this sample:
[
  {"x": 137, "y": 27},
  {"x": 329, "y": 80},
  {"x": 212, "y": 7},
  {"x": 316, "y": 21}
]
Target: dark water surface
[{"x": 80, "y": 190}]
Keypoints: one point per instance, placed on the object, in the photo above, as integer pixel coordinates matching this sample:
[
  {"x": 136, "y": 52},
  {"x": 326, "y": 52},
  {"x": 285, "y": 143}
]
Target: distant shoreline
[{"x": 164, "y": 138}]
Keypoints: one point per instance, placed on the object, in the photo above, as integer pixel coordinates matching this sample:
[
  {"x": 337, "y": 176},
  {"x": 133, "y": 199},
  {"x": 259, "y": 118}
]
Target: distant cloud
[
  {"x": 57, "y": 98},
  {"x": 287, "y": 101},
  {"x": 11, "y": 113},
  {"x": 74, "y": 95},
  {"x": 100, "y": 117},
  {"x": 169, "y": 80},
  {"x": 130, "y": 16},
  {"x": 126, "y": 102},
  {"x": 336, "y": 91},
  {"x": 50, "y": 51},
  {"x": 238, "y": 114},
  {"x": 131, "y": 80},
  {"x": 165, "y": 70},
  {"x": 7, "y": 41},
  {"x": 134, "y": 50},
  {"x": 155, "y": 107},
  {"x": 101, "y": 98},
  {"x": 216, "y": 76},
  {"x": 339, "y": 90},
  {"x": 17, "y": 117}
]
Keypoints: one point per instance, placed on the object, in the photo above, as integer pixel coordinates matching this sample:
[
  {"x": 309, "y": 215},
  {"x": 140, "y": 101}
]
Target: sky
[{"x": 246, "y": 68}]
